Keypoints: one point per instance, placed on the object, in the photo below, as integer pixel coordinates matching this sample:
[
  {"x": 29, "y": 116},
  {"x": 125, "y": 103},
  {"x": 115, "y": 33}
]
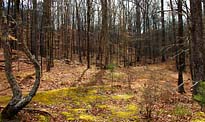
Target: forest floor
[{"x": 74, "y": 93}]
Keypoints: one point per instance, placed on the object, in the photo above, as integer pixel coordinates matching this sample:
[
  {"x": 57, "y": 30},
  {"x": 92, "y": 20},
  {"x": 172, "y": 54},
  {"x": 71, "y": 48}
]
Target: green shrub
[
  {"x": 111, "y": 67},
  {"x": 200, "y": 97},
  {"x": 181, "y": 110}
]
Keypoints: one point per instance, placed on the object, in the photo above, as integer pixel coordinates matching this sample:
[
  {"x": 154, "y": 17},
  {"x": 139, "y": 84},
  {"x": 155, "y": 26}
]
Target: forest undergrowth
[{"x": 74, "y": 93}]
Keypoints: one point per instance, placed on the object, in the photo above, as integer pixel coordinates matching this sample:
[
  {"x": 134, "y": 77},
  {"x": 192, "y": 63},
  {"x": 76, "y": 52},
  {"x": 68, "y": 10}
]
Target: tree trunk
[
  {"x": 163, "y": 31},
  {"x": 47, "y": 32},
  {"x": 17, "y": 102},
  {"x": 174, "y": 32},
  {"x": 138, "y": 28},
  {"x": 79, "y": 32},
  {"x": 104, "y": 32},
  {"x": 89, "y": 3},
  {"x": 181, "y": 56},
  {"x": 34, "y": 25},
  {"x": 197, "y": 44}
]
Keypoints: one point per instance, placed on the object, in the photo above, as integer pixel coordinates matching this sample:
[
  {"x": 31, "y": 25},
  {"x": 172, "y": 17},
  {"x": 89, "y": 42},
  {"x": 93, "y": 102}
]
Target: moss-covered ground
[{"x": 97, "y": 103}]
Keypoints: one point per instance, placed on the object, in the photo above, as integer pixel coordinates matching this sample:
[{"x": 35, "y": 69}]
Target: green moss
[
  {"x": 81, "y": 101},
  {"x": 78, "y": 95},
  {"x": 42, "y": 118},
  {"x": 198, "y": 117},
  {"x": 51, "y": 97},
  {"x": 132, "y": 107},
  {"x": 118, "y": 75},
  {"x": 87, "y": 117},
  {"x": 77, "y": 111},
  {"x": 198, "y": 120},
  {"x": 199, "y": 114},
  {"x": 181, "y": 110},
  {"x": 4, "y": 100},
  {"x": 92, "y": 91},
  {"x": 102, "y": 106},
  {"x": 125, "y": 113},
  {"x": 122, "y": 96},
  {"x": 68, "y": 116},
  {"x": 78, "y": 114}
]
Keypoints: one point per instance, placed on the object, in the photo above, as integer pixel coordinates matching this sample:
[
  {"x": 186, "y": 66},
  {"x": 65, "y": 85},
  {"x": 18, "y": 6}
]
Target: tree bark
[
  {"x": 138, "y": 28},
  {"x": 89, "y": 3},
  {"x": 34, "y": 25},
  {"x": 104, "y": 32},
  {"x": 181, "y": 56},
  {"x": 197, "y": 44},
  {"x": 163, "y": 30}
]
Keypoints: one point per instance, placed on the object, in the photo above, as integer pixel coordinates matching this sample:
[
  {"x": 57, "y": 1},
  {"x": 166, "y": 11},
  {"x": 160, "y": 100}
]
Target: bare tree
[
  {"x": 181, "y": 56},
  {"x": 163, "y": 30}
]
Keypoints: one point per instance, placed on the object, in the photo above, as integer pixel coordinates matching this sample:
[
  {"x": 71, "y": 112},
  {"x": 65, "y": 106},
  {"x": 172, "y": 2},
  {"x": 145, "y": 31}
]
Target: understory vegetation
[{"x": 107, "y": 96}]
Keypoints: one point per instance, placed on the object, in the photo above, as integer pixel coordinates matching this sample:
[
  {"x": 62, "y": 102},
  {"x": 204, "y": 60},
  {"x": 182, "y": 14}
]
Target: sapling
[{"x": 111, "y": 68}]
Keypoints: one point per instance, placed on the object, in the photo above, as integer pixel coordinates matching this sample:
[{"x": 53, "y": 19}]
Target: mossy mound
[
  {"x": 42, "y": 118},
  {"x": 122, "y": 97},
  {"x": 128, "y": 112},
  {"x": 93, "y": 104},
  {"x": 198, "y": 117},
  {"x": 87, "y": 104},
  {"x": 181, "y": 110}
]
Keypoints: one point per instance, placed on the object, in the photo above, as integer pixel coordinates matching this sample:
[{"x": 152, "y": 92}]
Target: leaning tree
[{"x": 18, "y": 101}]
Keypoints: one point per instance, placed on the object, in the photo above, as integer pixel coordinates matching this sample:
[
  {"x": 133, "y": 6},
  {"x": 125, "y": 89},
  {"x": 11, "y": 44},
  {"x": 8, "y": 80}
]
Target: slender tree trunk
[
  {"x": 181, "y": 56},
  {"x": 174, "y": 32},
  {"x": 138, "y": 26},
  {"x": 163, "y": 30},
  {"x": 34, "y": 25},
  {"x": 79, "y": 33},
  {"x": 88, "y": 31}
]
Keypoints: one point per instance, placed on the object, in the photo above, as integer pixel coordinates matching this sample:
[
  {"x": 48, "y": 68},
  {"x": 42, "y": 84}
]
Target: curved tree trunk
[{"x": 18, "y": 102}]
